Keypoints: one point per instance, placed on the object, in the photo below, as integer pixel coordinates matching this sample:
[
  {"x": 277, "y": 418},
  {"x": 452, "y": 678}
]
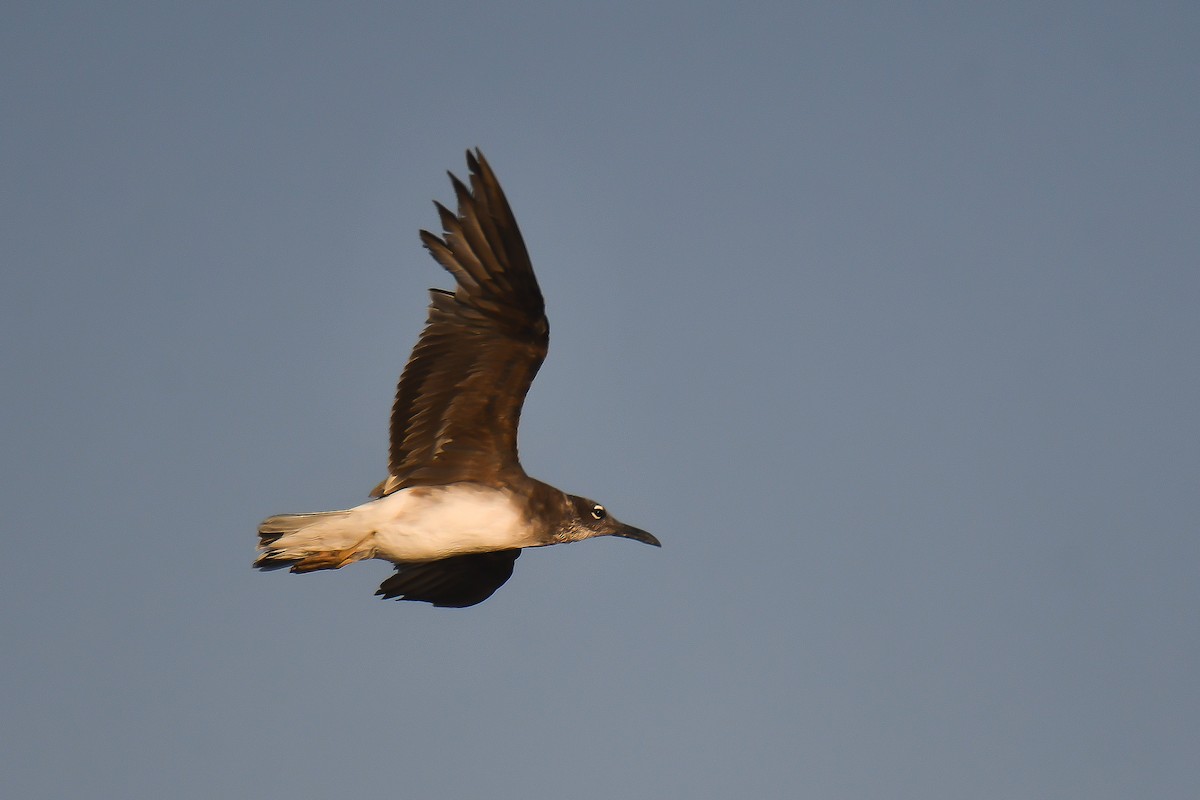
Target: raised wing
[{"x": 459, "y": 400}]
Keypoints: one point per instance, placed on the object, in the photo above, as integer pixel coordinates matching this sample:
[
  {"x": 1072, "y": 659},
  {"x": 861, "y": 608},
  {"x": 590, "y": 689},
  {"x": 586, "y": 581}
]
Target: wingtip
[
  {"x": 447, "y": 217},
  {"x": 461, "y": 193}
]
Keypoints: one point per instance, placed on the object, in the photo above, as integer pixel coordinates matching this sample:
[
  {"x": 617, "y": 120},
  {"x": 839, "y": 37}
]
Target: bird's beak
[{"x": 630, "y": 532}]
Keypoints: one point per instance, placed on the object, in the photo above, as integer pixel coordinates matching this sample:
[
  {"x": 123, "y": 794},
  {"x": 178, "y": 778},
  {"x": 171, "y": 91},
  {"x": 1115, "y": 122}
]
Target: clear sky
[{"x": 885, "y": 318}]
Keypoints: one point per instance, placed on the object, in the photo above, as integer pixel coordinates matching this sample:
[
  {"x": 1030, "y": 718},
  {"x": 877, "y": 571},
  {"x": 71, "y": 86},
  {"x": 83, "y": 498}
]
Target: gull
[{"x": 456, "y": 508}]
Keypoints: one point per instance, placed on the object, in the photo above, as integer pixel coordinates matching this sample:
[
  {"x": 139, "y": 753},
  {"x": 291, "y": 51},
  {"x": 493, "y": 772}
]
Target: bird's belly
[{"x": 428, "y": 523}]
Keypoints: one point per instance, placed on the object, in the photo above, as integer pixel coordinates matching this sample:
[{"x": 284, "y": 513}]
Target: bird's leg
[{"x": 336, "y": 559}]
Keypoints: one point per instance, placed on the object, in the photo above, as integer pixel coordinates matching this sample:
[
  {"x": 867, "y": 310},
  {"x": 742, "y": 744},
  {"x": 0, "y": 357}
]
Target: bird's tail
[{"x": 306, "y": 542}]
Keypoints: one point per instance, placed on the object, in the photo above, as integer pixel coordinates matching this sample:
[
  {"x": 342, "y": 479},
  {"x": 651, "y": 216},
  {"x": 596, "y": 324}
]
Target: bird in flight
[{"x": 456, "y": 508}]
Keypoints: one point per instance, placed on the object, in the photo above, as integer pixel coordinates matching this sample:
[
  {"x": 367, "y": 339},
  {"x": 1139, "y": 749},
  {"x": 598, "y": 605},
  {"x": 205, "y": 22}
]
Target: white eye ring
[{"x": 598, "y": 512}]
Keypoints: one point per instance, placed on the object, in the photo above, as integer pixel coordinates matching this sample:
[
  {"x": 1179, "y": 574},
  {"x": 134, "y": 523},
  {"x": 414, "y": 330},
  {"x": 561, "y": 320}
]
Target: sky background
[{"x": 885, "y": 319}]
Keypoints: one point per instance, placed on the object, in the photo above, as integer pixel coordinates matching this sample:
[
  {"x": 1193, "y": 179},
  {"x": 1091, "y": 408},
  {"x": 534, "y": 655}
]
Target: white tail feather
[{"x": 287, "y": 538}]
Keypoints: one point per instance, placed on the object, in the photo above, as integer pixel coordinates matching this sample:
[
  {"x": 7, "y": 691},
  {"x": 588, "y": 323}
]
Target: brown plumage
[
  {"x": 456, "y": 508},
  {"x": 459, "y": 400}
]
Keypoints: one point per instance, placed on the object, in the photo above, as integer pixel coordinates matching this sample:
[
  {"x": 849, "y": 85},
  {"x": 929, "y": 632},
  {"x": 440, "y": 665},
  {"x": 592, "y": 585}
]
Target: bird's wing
[
  {"x": 455, "y": 582},
  {"x": 460, "y": 395}
]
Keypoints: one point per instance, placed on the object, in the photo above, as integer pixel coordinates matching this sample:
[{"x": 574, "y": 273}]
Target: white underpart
[
  {"x": 429, "y": 523},
  {"x": 417, "y": 524}
]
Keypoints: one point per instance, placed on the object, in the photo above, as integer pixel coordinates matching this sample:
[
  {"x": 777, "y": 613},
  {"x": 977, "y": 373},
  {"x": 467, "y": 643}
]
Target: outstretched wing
[
  {"x": 455, "y": 582},
  {"x": 460, "y": 395}
]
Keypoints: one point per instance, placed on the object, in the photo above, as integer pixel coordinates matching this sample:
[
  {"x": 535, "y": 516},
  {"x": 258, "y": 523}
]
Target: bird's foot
[{"x": 334, "y": 559}]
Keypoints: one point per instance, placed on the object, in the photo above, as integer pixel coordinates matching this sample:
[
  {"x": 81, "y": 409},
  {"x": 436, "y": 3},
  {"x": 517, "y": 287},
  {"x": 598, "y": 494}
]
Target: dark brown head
[{"x": 584, "y": 519}]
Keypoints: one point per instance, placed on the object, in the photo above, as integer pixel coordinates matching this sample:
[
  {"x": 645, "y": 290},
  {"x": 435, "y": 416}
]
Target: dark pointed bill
[{"x": 637, "y": 534}]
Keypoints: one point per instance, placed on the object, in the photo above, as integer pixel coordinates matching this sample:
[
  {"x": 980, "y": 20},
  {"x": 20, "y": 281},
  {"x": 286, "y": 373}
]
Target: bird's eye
[{"x": 598, "y": 512}]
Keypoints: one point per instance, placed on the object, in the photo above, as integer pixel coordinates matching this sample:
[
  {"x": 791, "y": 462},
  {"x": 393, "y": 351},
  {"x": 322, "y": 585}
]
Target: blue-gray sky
[{"x": 884, "y": 319}]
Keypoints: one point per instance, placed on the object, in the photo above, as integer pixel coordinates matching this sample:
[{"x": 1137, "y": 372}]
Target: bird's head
[{"x": 585, "y": 519}]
